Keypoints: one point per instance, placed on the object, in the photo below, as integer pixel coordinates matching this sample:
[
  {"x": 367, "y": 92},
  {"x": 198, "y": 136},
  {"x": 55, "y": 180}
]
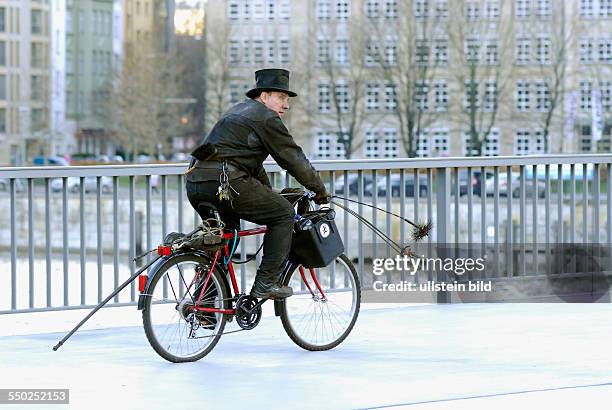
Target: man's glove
[{"x": 322, "y": 198}]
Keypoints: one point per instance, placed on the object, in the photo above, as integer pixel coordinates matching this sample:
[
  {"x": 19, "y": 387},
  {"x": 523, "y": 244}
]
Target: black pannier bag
[{"x": 316, "y": 240}]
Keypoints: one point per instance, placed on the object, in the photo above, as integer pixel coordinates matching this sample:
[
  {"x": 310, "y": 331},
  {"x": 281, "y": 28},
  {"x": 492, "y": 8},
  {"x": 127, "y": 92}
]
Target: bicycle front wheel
[
  {"x": 175, "y": 330},
  {"x": 317, "y": 320}
]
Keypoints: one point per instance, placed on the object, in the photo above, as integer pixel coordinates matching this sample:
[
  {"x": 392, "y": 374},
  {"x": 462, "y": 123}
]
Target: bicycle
[{"x": 190, "y": 295}]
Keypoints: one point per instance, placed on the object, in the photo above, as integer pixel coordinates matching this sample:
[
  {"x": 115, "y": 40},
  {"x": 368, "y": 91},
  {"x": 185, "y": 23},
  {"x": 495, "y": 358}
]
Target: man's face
[{"x": 276, "y": 101}]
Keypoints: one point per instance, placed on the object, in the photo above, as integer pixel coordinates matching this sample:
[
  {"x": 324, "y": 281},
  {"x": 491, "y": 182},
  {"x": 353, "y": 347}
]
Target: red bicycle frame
[{"x": 228, "y": 236}]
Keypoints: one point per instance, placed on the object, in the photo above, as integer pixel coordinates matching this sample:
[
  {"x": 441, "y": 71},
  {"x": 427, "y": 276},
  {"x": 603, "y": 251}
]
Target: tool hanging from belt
[{"x": 226, "y": 191}]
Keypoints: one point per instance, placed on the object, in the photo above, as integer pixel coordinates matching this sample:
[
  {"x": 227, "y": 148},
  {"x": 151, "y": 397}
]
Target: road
[{"x": 425, "y": 356}]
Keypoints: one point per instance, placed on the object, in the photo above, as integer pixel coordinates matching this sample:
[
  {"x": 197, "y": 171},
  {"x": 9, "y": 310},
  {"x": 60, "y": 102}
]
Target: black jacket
[{"x": 245, "y": 135}]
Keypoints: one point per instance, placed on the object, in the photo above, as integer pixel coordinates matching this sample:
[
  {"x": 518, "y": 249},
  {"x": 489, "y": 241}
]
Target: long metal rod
[
  {"x": 116, "y": 235},
  {"x": 99, "y": 234},
  {"x": 13, "y": 246},
  {"x": 534, "y": 228},
  {"x": 104, "y": 302},
  {"x": 48, "y": 239},
  {"x": 496, "y": 218},
  {"x": 547, "y": 216},
  {"x": 65, "y": 239},
  {"x": 132, "y": 246},
  {"x": 82, "y": 237},
  {"x": 31, "y": 241},
  {"x": 596, "y": 204}
]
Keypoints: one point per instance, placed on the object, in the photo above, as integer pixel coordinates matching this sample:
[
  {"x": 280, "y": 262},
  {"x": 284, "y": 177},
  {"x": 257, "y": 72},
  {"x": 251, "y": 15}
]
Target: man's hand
[{"x": 322, "y": 198}]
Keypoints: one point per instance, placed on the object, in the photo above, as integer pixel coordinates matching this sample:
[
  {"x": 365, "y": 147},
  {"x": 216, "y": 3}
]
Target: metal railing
[{"x": 68, "y": 235}]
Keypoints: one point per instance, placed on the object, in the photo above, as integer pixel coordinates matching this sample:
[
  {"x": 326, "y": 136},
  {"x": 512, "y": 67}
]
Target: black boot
[{"x": 263, "y": 289}]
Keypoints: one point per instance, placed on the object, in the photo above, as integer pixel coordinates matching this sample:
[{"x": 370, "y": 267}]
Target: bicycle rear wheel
[
  {"x": 321, "y": 322},
  {"x": 174, "y": 330}
]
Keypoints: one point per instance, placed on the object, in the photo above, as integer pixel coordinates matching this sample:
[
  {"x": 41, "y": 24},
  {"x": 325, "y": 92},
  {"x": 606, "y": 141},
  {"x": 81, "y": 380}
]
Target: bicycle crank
[{"x": 248, "y": 312}]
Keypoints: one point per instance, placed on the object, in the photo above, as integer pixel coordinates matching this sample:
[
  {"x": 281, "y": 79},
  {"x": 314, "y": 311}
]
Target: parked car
[
  {"x": 90, "y": 184},
  {"x": 41, "y": 160},
  {"x": 116, "y": 158},
  {"x": 5, "y": 185},
  {"x": 476, "y": 182},
  {"x": 381, "y": 185},
  {"x": 516, "y": 187},
  {"x": 180, "y": 157},
  {"x": 353, "y": 184},
  {"x": 143, "y": 159}
]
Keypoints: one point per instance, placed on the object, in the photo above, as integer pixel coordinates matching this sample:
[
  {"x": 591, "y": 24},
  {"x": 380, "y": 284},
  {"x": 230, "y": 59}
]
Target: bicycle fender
[{"x": 152, "y": 271}]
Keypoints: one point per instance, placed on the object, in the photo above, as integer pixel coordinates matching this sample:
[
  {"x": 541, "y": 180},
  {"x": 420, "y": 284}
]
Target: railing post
[{"x": 442, "y": 223}]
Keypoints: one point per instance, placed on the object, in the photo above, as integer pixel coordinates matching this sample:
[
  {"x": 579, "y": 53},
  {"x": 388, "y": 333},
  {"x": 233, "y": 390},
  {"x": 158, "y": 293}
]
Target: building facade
[
  {"x": 24, "y": 80},
  {"x": 389, "y": 78}
]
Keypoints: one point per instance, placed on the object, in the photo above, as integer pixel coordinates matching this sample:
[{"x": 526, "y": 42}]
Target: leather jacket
[{"x": 244, "y": 136}]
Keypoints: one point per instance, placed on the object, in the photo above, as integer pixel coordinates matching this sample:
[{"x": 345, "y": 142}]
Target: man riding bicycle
[{"x": 227, "y": 171}]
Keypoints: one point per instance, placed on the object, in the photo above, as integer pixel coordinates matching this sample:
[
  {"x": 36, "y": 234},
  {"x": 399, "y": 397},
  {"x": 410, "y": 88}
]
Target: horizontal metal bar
[{"x": 320, "y": 165}]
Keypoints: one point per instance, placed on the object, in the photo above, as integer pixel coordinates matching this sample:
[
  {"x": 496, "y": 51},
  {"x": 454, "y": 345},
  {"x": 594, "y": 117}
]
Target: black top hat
[{"x": 271, "y": 79}]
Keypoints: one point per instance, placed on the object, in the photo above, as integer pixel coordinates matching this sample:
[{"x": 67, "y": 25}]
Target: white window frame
[
  {"x": 324, "y": 98},
  {"x": 372, "y": 9},
  {"x": 587, "y": 9},
  {"x": 442, "y": 10},
  {"x": 605, "y": 86},
  {"x": 472, "y": 50},
  {"x": 343, "y": 52},
  {"x": 343, "y": 96},
  {"x": 343, "y": 10},
  {"x": 372, "y": 97},
  {"x": 491, "y": 49},
  {"x": 421, "y": 9},
  {"x": 585, "y": 50},
  {"x": 259, "y": 10},
  {"x": 467, "y": 144},
  {"x": 523, "y": 96},
  {"x": 605, "y": 9},
  {"x": 491, "y": 147},
  {"x": 258, "y": 51},
  {"x": 284, "y": 49},
  {"x": 284, "y": 10},
  {"x": 246, "y": 51},
  {"x": 271, "y": 9},
  {"x": 467, "y": 94},
  {"x": 421, "y": 95},
  {"x": 372, "y": 54},
  {"x": 440, "y": 51},
  {"x": 543, "y": 49},
  {"x": 391, "y": 7},
  {"x": 423, "y": 50},
  {"x": 371, "y": 146},
  {"x": 391, "y": 45},
  {"x": 522, "y": 8},
  {"x": 323, "y": 9},
  {"x": 586, "y": 90},
  {"x": 390, "y": 97},
  {"x": 390, "y": 143},
  {"x": 440, "y": 142},
  {"x": 440, "y": 89},
  {"x": 472, "y": 10},
  {"x": 522, "y": 141},
  {"x": 422, "y": 147},
  {"x": 543, "y": 8},
  {"x": 271, "y": 54},
  {"x": 491, "y": 96},
  {"x": 604, "y": 50},
  {"x": 491, "y": 10},
  {"x": 323, "y": 51},
  {"x": 542, "y": 96},
  {"x": 324, "y": 144},
  {"x": 523, "y": 50},
  {"x": 233, "y": 10}
]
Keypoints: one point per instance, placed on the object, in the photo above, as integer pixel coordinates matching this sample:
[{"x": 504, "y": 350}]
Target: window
[
  {"x": 472, "y": 10},
  {"x": 391, "y": 52},
  {"x": 391, "y": 9},
  {"x": 343, "y": 9},
  {"x": 605, "y": 8},
  {"x": 38, "y": 55},
  {"x": 586, "y": 89},
  {"x": 258, "y": 10},
  {"x": 543, "y": 50},
  {"x": 95, "y": 22},
  {"x": 371, "y": 149},
  {"x": 324, "y": 98},
  {"x": 2, "y": 87},
  {"x": 422, "y": 52},
  {"x": 342, "y": 52},
  {"x": 521, "y": 142},
  {"x": 421, "y": 91},
  {"x": 372, "y": 9},
  {"x": 492, "y": 10},
  {"x": 285, "y": 10},
  {"x": 323, "y": 51},
  {"x": 246, "y": 9},
  {"x": 442, "y": 9},
  {"x": 606, "y": 95},
  {"x": 490, "y": 96},
  {"x": 2, "y": 19},
  {"x": 469, "y": 148},
  {"x": 38, "y": 119},
  {"x": 323, "y": 145},
  {"x": 284, "y": 51},
  {"x": 491, "y": 143},
  {"x": 585, "y": 50},
  {"x": 523, "y": 96},
  {"x": 605, "y": 51},
  {"x": 390, "y": 143},
  {"x": 36, "y": 21},
  {"x": 234, "y": 97},
  {"x": 271, "y": 52},
  {"x": 258, "y": 52},
  {"x": 543, "y": 9},
  {"x": 2, "y": 53},
  {"x": 270, "y": 10},
  {"x": 323, "y": 9},
  {"x": 522, "y": 8},
  {"x": 371, "y": 52},
  {"x": 585, "y": 138},
  {"x": 440, "y": 142},
  {"x": 472, "y": 49},
  {"x": 586, "y": 9},
  {"x": 2, "y": 120},
  {"x": 542, "y": 96},
  {"x": 342, "y": 96},
  {"x": 234, "y": 52},
  {"x": 441, "y": 51},
  {"x": 422, "y": 143},
  {"x": 246, "y": 51},
  {"x": 491, "y": 52},
  {"x": 327, "y": 145},
  {"x": 440, "y": 88},
  {"x": 421, "y": 9},
  {"x": 471, "y": 99},
  {"x": 390, "y": 97},
  {"x": 372, "y": 100},
  {"x": 538, "y": 147},
  {"x": 232, "y": 9},
  {"x": 523, "y": 51}
]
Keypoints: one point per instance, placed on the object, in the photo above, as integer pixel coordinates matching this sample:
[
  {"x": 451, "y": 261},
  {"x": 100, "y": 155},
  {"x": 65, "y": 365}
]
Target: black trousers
[{"x": 258, "y": 204}]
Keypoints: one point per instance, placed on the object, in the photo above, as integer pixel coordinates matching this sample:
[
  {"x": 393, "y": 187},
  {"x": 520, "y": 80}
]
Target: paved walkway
[{"x": 492, "y": 356}]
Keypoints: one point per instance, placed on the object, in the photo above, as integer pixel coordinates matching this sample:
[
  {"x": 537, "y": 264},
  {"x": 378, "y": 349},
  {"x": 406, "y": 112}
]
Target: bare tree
[
  {"x": 483, "y": 55},
  {"x": 406, "y": 58},
  {"x": 218, "y": 63}
]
